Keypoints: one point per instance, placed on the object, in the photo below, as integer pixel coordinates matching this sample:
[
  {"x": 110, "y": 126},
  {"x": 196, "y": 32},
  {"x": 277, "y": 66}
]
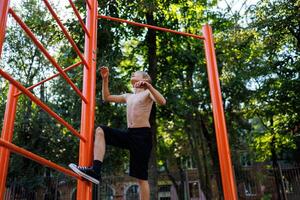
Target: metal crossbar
[
  {"x": 50, "y": 78},
  {"x": 46, "y": 53},
  {"x": 88, "y": 3},
  {"x": 79, "y": 18},
  {"x": 36, "y": 158},
  {"x": 64, "y": 30},
  {"x": 41, "y": 104},
  {"x": 150, "y": 26}
]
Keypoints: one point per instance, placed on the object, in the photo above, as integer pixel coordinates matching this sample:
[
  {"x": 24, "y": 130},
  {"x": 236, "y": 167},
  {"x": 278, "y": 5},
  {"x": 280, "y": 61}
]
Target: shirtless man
[{"x": 137, "y": 138}]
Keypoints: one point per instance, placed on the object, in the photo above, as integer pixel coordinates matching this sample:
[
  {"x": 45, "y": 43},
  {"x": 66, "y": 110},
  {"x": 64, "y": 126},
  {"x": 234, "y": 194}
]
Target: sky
[{"x": 236, "y": 4}]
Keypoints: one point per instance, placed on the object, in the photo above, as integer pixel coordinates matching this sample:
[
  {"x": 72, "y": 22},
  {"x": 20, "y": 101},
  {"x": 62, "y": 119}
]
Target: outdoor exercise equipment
[{"x": 88, "y": 60}]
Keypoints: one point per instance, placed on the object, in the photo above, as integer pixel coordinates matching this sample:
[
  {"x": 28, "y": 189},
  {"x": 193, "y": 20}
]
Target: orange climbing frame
[
  {"x": 87, "y": 95},
  {"x": 88, "y": 59}
]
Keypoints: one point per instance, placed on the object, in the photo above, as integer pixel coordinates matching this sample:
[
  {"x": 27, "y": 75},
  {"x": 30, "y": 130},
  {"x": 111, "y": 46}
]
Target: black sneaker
[{"x": 86, "y": 172}]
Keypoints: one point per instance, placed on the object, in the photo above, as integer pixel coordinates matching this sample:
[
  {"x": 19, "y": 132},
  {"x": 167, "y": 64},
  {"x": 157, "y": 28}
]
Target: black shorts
[{"x": 139, "y": 143}]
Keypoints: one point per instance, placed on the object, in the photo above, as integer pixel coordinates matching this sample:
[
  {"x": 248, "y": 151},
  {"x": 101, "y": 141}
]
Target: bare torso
[{"x": 138, "y": 109}]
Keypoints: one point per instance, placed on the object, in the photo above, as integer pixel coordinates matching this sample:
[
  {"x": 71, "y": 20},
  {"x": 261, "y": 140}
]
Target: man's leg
[
  {"x": 93, "y": 173},
  {"x": 144, "y": 189},
  {"x": 99, "y": 145}
]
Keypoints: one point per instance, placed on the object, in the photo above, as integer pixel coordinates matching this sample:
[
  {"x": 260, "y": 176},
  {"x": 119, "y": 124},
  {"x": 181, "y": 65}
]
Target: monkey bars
[
  {"x": 51, "y": 77},
  {"x": 40, "y": 103},
  {"x": 16, "y": 88},
  {"x": 45, "y": 52},
  {"x": 84, "y": 188}
]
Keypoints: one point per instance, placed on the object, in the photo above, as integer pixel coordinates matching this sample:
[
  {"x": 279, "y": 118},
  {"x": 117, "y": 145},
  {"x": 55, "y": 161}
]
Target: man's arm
[
  {"x": 106, "y": 96},
  {"x": 154, "y": 94}
]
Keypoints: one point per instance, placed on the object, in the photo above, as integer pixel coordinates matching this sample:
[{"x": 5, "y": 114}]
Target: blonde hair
[{"x": 145, "y": 75}]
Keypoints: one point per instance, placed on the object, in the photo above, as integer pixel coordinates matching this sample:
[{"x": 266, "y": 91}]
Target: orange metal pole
[
  {"x": 228, "y": 181},
  {"x": 7, "y": 135},
  {"x": 150, "y": 26},
  {"x": 4, "y": 6},
  {"x": 84, "y": 188},
  {"x": 37, "y": 158},
  {"x": 9, "y": 116}
]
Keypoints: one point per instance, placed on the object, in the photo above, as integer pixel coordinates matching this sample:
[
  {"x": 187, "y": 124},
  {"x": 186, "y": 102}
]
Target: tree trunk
[
  {"x": 215, "y": 159},
  {"x": 276, "y": 168},
  {"x": 182, "y": 176},
  {"x": 178, "y": 186},
  {"x": 152, "y": 60},
  {"x": 194, "y": 131},
  {"x": 207, "y": 173},
  {"x": 194, "y": 143}
]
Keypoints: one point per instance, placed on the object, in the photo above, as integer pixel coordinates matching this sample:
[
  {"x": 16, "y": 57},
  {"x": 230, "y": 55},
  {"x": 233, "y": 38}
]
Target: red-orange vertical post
[
  {"x": 84, "y": 188},
  {"x": 7, "y": 135},
  {"x": 4, "y": 5},
  {"x": 228, "y": 181},
  {"x": 9, "y": 117}
]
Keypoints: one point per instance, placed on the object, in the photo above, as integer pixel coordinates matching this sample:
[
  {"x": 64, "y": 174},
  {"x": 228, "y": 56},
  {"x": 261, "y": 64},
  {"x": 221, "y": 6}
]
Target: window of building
[
  {"x": 132, "y": 193},
  {"x": 194, "y": 190},
  {"x": 161, "y": 166},
  {"x": 73, "y": 194},
  {"x": 188, "y": 163},
  {"x": 126, "y": 168},
  {"x": 245, "y": 159},
  {"x": 164, "y": 192},
  {"x": 250, "y": 188}
]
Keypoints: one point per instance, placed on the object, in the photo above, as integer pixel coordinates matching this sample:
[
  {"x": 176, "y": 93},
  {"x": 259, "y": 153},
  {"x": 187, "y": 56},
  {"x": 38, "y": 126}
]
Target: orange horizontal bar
[
  {"x": 41, "y": 104},
  {"x": 51, "y": 77},
  {"x": 45, "y": 52},
  {"x": 37, "y": 158},
  {"x": 79, "y": 18},
  {"x": 64, "y": 30},
  {"x": 151, "y": 27}
]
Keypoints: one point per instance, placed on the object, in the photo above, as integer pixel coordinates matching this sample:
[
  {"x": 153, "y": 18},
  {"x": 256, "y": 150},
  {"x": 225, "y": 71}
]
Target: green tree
[{"x": 277, "y": 78}]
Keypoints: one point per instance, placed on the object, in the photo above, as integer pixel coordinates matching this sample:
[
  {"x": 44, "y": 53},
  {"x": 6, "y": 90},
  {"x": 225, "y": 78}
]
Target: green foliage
[
  {"x": 3, "y": 92},
  {"x": 277, "y": 78}
]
